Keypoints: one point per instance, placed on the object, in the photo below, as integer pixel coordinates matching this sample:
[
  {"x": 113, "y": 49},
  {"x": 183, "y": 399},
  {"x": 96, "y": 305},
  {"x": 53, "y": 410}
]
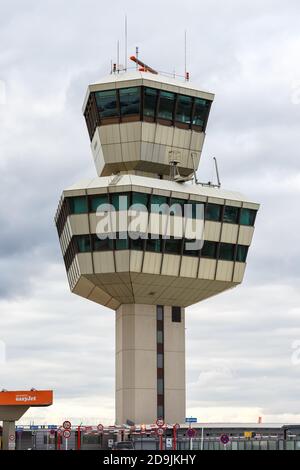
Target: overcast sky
[{"x": 240, "y": 362}]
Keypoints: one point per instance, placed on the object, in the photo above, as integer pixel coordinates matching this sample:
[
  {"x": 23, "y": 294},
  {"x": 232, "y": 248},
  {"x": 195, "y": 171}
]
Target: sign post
[
  {"x": 160, "y": 433},
  {"x": 175, "y": 427},
  {"x": 225, "y": 440},
  {"x": 191, "y": 434},
  {"x": 67, "y": 431}
]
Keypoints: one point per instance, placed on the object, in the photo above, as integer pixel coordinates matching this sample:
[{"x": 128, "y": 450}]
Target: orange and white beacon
[
  {"x": 144, "y": 237},
  {"x": 13, "y": 405}
]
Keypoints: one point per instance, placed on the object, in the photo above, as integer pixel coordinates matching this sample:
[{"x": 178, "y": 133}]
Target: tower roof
[{"x": 137, "y": 78}]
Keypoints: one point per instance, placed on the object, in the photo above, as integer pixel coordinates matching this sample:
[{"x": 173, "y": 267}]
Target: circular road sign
[
  {"x": 160, "y": 431},
  {"x": 224, "y": 439},
  {"x": 67, "y": 424},
  {"x": 191, "y": 433},
  {"x": 100, "y": 427},
  {"x": 160, "y": 422},
  {"x": 176, "y": 426},
  {"x": 66, "y": 433}
]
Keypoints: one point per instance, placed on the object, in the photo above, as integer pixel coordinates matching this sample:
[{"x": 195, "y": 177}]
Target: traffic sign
[
  {"x": 160, "y": 422},
  {"x": 191, "y": 433},
  {"x": 191, "y": 420},
  {"x": 66, "y": 433},
  {"x": 176, "y": 426},
  {"x": 12, "y": 437},
  {"x": 67, "y": 424},
  {"x": 160, "y": 431},
  {"x": 100, "y": 427},
  {"x": 169, "y": 443},
  {"x": 224, "y": 439}
]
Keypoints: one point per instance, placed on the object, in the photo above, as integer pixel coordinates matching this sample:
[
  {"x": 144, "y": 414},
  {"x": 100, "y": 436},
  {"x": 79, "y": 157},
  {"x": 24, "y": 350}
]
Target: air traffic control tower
[{"x": 124, "y": 246}]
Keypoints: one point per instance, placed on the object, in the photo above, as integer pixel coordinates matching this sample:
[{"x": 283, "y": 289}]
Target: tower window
[
  {"x": 213, "y": 212},
  {"x": 209, "y": 249},
  {"x": 78, "y": 205},
  {"x": 107, "y": 103},
  {"x": 166, "y": 105},
  {"x": 97, "y": 201},
  {"x": 129, "y": 100},
  {"x": 231, "y": 214},
  {"x": 83, "y": 243},
  {"x": 173, "y": 246},
  {"x": 184, "y": 109},
  {"x": 176, "y": 314},
  {"x": 247, "y": 216},
  {"x": 226, "y": 251},
  {"x": 150, "y": 102},
  {"x": 241, "y": 253},
  {"x": 201, "y": 111}
]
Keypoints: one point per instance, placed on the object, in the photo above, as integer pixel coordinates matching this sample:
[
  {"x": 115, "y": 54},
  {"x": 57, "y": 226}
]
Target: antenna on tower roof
[
  {"x": 125, "y": 45},
  {"x": 186, "y": 73}
]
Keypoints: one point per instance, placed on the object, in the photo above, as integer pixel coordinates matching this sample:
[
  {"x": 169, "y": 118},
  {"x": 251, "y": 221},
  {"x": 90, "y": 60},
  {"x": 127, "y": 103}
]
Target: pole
[
  {"x": 160, "y": 442},
  {"x": 125, "y": 62},
  {"x": 58, "y": 440},
  {"x": 78, "y": 438},
  {"x": 202, "y": 437},
  {"x": 174, "y": 438}
]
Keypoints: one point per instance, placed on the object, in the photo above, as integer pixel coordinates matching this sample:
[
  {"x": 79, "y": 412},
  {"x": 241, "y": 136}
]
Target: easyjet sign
[{"x": 27, "y": 398}]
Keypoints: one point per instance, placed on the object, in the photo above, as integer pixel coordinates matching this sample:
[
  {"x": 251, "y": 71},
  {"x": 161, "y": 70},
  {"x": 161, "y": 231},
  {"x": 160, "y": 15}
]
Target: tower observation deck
[{"x": 143, "y": 240}]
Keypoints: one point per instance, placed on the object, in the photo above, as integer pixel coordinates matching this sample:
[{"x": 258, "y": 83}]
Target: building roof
[
  {"x": 161, "y": 185},
  {"x": 137, "y": 78}
]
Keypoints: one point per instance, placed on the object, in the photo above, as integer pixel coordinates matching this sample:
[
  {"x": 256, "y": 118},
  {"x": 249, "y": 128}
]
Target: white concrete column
[
  {"x": 136, "y": 365},
  {"x": 9, "y": 435}
]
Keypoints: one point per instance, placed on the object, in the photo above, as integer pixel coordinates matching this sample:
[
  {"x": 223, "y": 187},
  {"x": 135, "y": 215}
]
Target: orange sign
[{"x": 27, "y": 398}]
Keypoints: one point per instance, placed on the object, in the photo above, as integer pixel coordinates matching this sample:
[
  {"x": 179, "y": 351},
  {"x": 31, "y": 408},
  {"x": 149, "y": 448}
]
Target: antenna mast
[{"x": 125, "y": 58}]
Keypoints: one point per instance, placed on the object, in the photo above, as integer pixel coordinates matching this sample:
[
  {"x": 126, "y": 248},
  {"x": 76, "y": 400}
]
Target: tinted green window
[
  {"x": 157, "y": 200},
  {"x": 150, "y": 101},
  {"x": 166, "y": 105},
  {"x": 231, "y": 214},
  {"x": 107, "y": 103},
  {"x": 201, "y": 111},
  {"x": 96, "y": 201},
  {"x": 102, "y": 245},
  {"x": 129, "y": 100},
  {"x": 173, "y": 246},
  {"x": 137, "y": 244},
  {"x": 120, "y": 201},
  {"x": 187, "y": 251},
  {"x": 122, "y": 243},
  {"x": 209, "y": 249},
  {"x": 213, "y": 212},
  {"x": 78, "y": 205},
  {"x": 184, "y": 109},
  {"x": 140, "y": 198},
  {"x": 154, "y": 245},
  {"x": 178, "y": 208},
  {"x": 226, "y": 251},
  {"x": 247, "y": 216},
  {"x": 83, "y": 243},
  {"x": 241, "y": 254},
  {"x": 198, "y": 210}
]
